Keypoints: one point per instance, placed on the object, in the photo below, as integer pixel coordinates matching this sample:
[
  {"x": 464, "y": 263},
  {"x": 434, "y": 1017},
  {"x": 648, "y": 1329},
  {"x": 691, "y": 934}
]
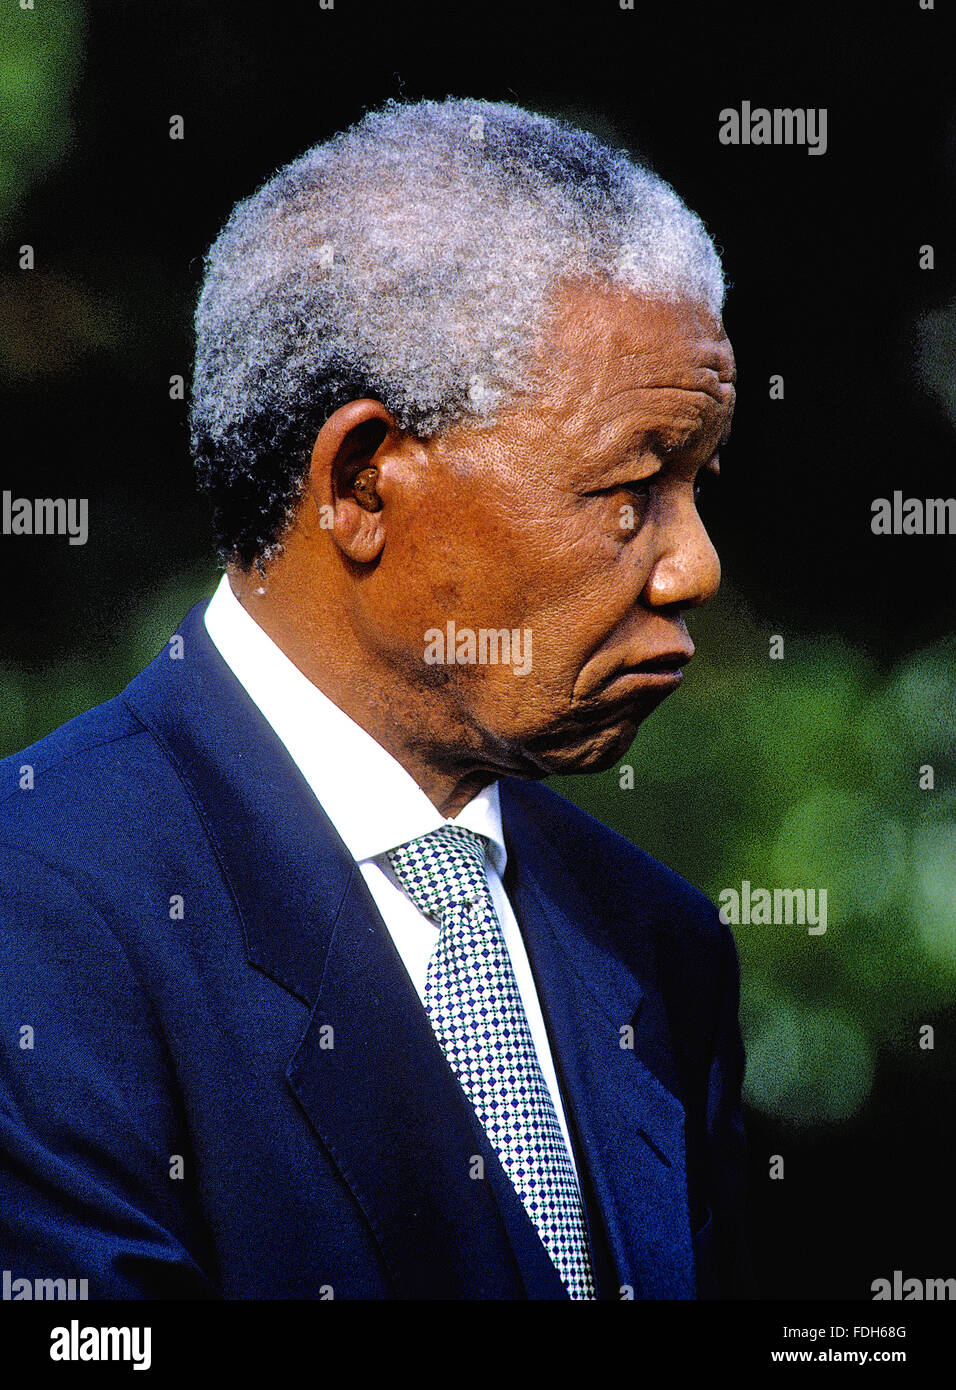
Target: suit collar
[
  {"x": 335, "y": 754},
  {"x": 256, "y": 807}
]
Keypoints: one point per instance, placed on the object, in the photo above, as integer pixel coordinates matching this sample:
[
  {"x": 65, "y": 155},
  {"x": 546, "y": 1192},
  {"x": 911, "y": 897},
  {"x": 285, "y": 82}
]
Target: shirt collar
[{"x": 368, "y": 796}]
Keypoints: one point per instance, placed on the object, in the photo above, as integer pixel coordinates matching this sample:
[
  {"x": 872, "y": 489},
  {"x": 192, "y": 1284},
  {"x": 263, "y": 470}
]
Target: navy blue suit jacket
[{"x": 247, "y": 1100}]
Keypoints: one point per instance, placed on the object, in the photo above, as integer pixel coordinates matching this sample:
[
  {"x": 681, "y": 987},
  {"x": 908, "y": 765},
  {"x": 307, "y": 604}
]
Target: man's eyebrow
[
  {"x": 667, "y": 442},
  {"x": 661, "y": 439}
]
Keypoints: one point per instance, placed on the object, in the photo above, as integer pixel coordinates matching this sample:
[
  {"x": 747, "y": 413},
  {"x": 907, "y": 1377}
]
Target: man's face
[{"x": 575, "y": 519}]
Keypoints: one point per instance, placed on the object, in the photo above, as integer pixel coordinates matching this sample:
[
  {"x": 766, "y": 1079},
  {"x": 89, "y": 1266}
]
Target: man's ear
[{"x": 343, "y": 475}]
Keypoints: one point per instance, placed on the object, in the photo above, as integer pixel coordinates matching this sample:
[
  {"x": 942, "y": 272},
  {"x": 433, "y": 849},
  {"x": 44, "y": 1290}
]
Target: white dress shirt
[{"x": 373, "y": 803}]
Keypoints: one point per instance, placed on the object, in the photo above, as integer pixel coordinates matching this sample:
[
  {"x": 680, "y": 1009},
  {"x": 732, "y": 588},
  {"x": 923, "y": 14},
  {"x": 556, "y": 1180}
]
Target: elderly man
[{"x": 310, "y": 989}]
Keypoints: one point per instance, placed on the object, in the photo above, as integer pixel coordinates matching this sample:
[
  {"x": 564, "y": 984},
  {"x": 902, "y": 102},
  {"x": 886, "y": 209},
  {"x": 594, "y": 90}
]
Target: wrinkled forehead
[{"x": 612, "y": 357}]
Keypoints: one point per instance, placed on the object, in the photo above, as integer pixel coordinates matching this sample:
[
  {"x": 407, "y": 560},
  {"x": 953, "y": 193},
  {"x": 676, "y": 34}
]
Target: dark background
[{"x": 822, "y": 256}]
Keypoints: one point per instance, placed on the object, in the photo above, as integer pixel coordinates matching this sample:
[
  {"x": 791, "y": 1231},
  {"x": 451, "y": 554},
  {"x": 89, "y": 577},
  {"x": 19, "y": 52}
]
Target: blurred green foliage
[
  {"x": 41, "y": 52},
  {"x": 800, "y": 772}
]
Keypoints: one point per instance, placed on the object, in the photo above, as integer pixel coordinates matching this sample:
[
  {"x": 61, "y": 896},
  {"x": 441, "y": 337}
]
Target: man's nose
[{"x": 686, "y": 573}]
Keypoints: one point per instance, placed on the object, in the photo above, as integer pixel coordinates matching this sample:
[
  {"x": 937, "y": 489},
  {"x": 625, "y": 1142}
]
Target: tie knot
[{"x": 445, "y": 868}]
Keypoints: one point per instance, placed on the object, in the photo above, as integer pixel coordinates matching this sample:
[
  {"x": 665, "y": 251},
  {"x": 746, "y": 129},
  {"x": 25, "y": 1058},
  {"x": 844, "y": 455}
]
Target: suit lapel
[
  {"x": 369, "y": 1073},
  {"x": 374, "y": 1083},
  {"x": 629, "y": 1127}
]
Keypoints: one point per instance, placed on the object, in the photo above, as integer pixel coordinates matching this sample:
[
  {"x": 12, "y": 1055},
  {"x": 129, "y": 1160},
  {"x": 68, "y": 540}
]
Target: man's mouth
[
  {"x": 646, "y": 683},
  {"x": 666, "y": 664}
]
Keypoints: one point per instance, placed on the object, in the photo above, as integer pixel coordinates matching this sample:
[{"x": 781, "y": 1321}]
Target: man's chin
[{"x": 592, "y": 750}]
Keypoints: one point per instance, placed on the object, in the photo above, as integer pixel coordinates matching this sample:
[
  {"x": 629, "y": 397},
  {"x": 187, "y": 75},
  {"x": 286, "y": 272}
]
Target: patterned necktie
[{"x": 475, "y": 1008}]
